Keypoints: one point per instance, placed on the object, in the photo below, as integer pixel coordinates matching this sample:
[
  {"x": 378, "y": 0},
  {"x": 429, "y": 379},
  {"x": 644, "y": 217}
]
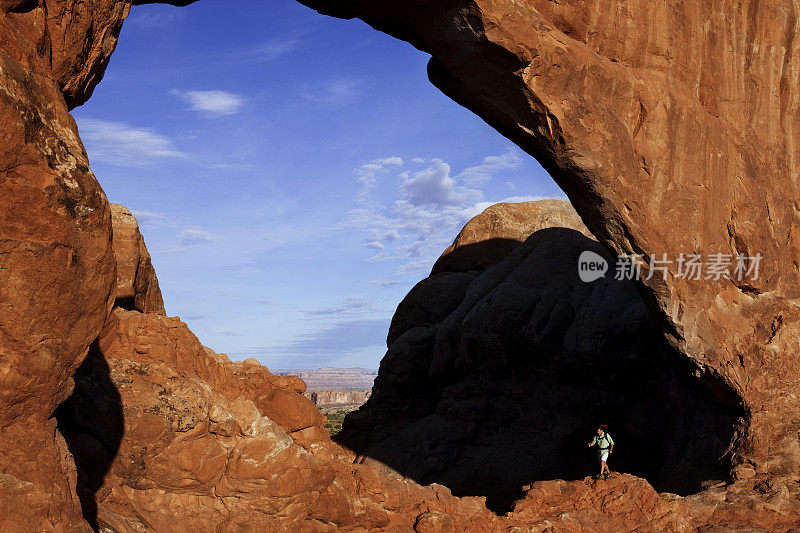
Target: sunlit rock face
[
  {"x": 56, "y": 263},
  {"x": 499, "y": 370},
  {"x": 673, "y": 128},
  {"x": 137, "y": 283},
  {"x": 160, "y": 430}
]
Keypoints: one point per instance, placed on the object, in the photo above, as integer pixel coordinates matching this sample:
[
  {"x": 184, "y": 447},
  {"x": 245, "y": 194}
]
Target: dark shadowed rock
[
  {"x": 488, "y": 238},
  {"x": 507, "y": 382}
]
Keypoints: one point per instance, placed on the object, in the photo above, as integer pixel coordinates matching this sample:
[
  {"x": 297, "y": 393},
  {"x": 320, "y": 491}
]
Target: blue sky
[{"x": 294, "y": 175}]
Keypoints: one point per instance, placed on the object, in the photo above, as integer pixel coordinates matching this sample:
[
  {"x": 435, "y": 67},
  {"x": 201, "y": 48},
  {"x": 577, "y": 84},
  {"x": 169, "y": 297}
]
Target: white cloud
[
  {"x": 119, "y": 144},
  {"x": 426, "y": 209},
  {"x": 490, "y": 166},
  {"x": 269, "y": 51},
  {"x": 195, "y": 235},
  {"x": 151, "y": 19},
  {"x": 391, "y": 236},
  {"x": 350, "y": 306},
  {"x": 212, "y": 104},
  {"x": 434, "y": 186},
  {"x": 367, "y": 175},
  {"x": 150, "y": 218}
]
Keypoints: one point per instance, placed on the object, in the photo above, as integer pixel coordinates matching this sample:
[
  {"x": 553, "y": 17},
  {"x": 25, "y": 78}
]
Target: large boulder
[
  {"x": 488, "y": 237},
  {"x": 505, "y": 382}
]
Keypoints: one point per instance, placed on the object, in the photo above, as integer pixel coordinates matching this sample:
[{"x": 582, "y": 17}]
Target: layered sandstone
[{"x": 334, "y": 397}]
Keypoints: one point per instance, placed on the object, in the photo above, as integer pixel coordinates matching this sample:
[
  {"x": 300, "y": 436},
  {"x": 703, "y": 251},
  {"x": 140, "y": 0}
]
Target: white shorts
[{"x": 603, "y": 456}]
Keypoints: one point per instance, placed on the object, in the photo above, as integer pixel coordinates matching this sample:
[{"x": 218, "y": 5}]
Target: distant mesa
[{"x": 333, "y": 378}]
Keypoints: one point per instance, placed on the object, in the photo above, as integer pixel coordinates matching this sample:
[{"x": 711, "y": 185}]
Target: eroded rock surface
[
  {"x": 137, "y": 283},
  {"x": 167, "y": 434},
  {"x": 334, "y": 397},
  {"x": 56, "y": 263},
  {"x": 671, "y": 126}
]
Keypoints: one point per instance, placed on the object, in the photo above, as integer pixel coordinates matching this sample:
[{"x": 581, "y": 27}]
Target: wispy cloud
[
  {"x": 150, "y": 18},
  {"x": 194, "y": 235},
  {"x": 367, "y": 174},
  {"x": 388, "y": 282},
  {"x": 339, "y": 339},
  {"x": 269, "y": 50},
  {"x": 150, "y": 218},
  {"x": 335, "y": 92},
  {"x": 211, "y": 104},
  {"x": 490, "y": 166},
  {"x": 348, "y": 307},
  {"x": 119, "y": 144}
]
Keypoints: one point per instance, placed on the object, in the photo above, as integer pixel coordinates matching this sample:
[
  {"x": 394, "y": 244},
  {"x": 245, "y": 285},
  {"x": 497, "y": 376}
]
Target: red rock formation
[
  {"x": 57, "y": 280},
  {"x": 164, "y": 431},
  {"x": 489, "y": 237},
  {"x": 137, "y": 283},
  {"x": 496, "y": 375},
  {"x": 672, "y": 128},
  {"x": 168, "y": 435}
]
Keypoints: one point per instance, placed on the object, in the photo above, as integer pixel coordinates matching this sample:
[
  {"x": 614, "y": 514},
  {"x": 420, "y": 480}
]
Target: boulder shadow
[{"x": 92, "y": 423}]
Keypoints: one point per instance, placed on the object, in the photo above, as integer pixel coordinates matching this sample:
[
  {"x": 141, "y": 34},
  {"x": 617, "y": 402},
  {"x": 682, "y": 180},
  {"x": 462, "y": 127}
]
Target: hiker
[{"x": 605, "y": 445}]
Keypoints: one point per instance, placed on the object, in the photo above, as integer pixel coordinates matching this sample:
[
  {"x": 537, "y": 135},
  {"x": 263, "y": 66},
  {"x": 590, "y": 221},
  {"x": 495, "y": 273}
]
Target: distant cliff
[
  {"x": 333, "y": 378},
  {"x": 334, "y": 397}
]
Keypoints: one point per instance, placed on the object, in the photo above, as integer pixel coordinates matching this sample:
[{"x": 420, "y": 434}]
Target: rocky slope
[{"x": 167, "y": 435}]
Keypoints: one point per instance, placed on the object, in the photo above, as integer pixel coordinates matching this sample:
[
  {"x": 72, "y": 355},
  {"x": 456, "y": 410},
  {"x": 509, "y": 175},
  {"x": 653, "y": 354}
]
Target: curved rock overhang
[{"x": 673, "y": 129}]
